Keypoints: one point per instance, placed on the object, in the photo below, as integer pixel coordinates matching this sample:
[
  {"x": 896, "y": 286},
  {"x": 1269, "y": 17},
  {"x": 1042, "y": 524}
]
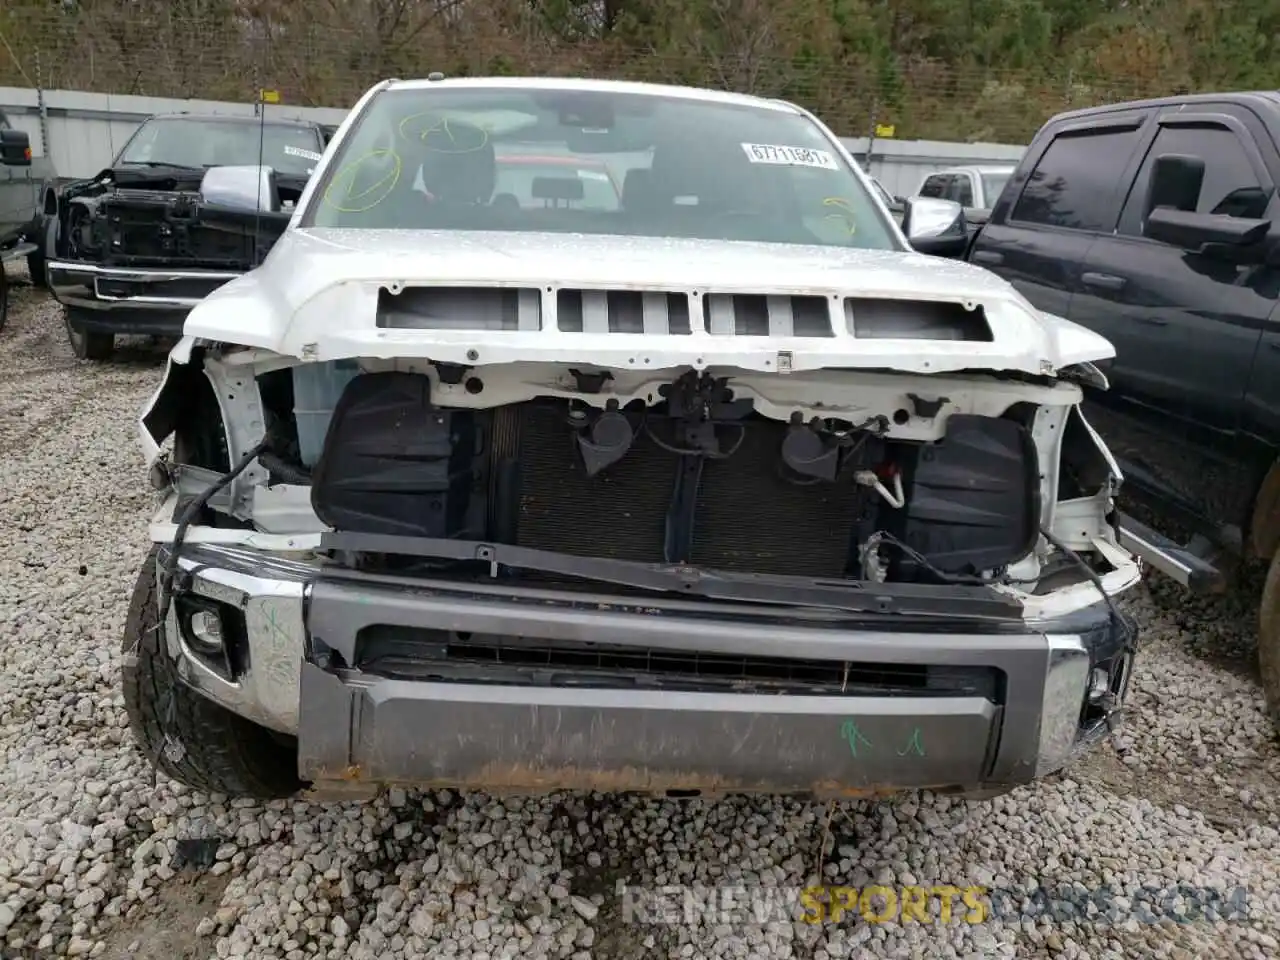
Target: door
[
  {"x": 1261, "y": 414},
  {"x": 1186, "y": 327},
  {"x": 1039, "y": 234}
]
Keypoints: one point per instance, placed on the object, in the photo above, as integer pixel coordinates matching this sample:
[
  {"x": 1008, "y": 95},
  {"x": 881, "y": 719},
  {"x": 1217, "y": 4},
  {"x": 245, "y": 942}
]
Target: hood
[{"x": 316, "y": 297}]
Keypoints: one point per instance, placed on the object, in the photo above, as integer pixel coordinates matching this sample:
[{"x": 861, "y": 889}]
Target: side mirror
[
  {"x": 936, "y": 227},
  {"x": 1175, "y": 182},
  {"x": 15, "y": 148},
  {"x": 1206, "y": 233}
]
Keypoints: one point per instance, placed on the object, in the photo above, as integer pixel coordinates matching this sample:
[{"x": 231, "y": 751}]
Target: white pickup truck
[
  {"x": 975, "y": 187},
  {"x": 613, "y": 436}
]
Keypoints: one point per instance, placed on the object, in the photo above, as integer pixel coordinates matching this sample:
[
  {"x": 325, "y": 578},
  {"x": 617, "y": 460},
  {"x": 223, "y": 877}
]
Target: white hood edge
[{"x": 315, "y": 299}]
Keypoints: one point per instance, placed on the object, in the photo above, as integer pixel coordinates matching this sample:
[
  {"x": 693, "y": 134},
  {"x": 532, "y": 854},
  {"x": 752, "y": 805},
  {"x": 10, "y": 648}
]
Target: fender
[
  {"x": 159, "y": 417},
  {"x": 1264, "y": 527}
]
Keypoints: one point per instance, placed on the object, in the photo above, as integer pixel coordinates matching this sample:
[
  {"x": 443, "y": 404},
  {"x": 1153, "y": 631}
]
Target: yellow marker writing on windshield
[
  {"x": 843, "y": 212},
  {"x": 341, "y": 193},
  {"x": 443, "y": 137}
]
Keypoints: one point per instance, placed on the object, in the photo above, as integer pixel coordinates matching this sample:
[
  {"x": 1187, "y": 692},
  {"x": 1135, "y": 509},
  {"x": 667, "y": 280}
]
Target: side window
[
  {"x": 4, "y": 122},
  {"x": 1230, "y": 187},
  {"x": 961, "y": 190},
  {"x": 1072, "y": 184},
  {"x": 935, "y": 186}
]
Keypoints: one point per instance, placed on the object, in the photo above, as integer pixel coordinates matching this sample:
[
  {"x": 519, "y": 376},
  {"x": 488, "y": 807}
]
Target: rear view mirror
[
  {"x": 15, "y": 148},
  {"x": 936, "y": 227}
]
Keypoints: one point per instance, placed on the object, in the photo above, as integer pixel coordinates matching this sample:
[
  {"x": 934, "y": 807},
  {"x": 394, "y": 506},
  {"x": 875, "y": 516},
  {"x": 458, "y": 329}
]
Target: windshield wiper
[
  {"x": 152, "y": 164},
  {"x": 909, "y": 599}
]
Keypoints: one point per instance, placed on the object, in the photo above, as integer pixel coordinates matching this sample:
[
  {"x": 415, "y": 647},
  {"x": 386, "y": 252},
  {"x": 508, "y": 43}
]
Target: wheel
[
  {"x": 88, "y": 344},
  {"x": 1269, "y": 641},
  {"x": 37, "y": 262},
  {"x": 189, "y": 738},
  {"x": 36, "y": 267}
]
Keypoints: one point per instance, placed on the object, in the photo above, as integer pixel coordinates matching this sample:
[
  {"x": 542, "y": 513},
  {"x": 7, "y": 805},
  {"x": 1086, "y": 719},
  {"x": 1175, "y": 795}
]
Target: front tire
[
  {"x": 1269, "y": 641},
  {"x": 36, "y": 264},
  {"x": 4, "y": 297},
  {"x": 88, "y": 344},
  {"x": 185, "y": 736}
]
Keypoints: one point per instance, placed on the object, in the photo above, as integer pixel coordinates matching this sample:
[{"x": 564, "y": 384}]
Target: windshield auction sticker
[
  {"x": 299, "y": 152},
  {"x": 789, "y": 156}
]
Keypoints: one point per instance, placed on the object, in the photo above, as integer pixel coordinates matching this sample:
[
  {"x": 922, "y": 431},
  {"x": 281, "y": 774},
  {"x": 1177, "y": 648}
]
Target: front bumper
[
  {"x": 107, "y": 293},
  {"x": 296, "y": 665}
]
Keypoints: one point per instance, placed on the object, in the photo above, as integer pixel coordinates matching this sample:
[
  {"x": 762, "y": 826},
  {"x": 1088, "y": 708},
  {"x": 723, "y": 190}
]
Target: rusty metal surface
[
  {"x": 542, "y": 740},
  {"x": 520, "y": 779}
]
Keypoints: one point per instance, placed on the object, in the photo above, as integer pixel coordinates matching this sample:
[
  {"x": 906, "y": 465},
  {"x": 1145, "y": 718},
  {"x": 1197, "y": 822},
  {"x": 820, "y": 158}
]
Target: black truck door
[
  {"x": 1261, "y": 417},
  {"x": 1186, "y": 326},
  {"x": 1041, "y": 230}
]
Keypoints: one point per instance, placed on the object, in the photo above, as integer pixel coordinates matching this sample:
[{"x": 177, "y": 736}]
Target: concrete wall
[{"x": 82, "y": 132}]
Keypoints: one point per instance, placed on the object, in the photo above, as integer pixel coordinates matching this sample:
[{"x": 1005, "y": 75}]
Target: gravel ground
[{"x": 98, "y": 860}]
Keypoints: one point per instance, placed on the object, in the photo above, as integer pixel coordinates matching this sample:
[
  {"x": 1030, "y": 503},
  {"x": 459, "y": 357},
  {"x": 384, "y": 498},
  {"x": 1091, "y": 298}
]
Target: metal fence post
[{"x": 44, "y": 110}]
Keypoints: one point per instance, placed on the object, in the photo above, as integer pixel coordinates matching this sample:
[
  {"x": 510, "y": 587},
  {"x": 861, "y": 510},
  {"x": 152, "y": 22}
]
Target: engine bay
[
  {"x": 826, "y": 479},
  {"x": 698, "y": 477}
]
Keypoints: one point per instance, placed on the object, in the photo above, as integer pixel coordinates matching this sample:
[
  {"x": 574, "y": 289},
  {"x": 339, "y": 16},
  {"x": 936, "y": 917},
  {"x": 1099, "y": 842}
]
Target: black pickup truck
[
  {"x": 1157, "y": 224},
  {"x": 190, "y": 202}
]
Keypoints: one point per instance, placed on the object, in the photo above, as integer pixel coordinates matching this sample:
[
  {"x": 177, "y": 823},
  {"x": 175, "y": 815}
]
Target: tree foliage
[{"x": 947, "y": 69}]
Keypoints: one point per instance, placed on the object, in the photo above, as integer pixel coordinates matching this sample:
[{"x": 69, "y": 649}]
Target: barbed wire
[{"x": 317, "y": 64}]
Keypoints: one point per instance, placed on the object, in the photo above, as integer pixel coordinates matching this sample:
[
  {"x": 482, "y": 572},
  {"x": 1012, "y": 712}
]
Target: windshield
[
  {"x": 526, "y": 180},
  {"x": 992, "y": 185},
  {"x": 193, "y": 142},
  {"x": 593, "y": 162}
]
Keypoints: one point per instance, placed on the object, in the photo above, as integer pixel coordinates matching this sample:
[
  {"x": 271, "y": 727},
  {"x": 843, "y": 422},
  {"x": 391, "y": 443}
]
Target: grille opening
[
  {"x": 411, "y": 653},
  {"x": 460, "y": 308},
  {"x": 748, "y": 315},
  {"x": 870, "y": 318},
  {"x": 624, "y": 311}
]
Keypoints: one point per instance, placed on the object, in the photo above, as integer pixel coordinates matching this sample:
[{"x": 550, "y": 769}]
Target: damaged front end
[
  {"x": 538, "y": 576},
  {"x": 161, "y": 238}
]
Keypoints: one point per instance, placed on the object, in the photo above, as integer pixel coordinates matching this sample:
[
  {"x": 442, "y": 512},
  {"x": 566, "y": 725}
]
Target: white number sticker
[
  {"x": 304, "y": 154},
  {"x": 789, "y": 156}
]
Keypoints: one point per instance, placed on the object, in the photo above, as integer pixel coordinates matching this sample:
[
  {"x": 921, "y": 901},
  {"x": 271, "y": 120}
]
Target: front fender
[{"x": 159, "y": 417}]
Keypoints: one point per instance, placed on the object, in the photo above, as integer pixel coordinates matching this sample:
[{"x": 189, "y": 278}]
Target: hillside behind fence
[{"x": 978, "y": 70}]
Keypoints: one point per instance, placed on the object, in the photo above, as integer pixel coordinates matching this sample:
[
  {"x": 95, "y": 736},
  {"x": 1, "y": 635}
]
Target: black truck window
[
  {"x": 1072, "y": 184},
  {"x": 961, "y": 190},
  {"x": 935, "y": 186},
  {"x": 1230, "y": 183}
]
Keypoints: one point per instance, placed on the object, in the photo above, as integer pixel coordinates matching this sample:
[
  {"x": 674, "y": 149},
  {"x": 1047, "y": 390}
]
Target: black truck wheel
[
  {"x": 87, "y": 344},
  {"x": 1269, "y": 641},
  {"x": 36, "y": 267},
  {"x": 189, "y": 738}
]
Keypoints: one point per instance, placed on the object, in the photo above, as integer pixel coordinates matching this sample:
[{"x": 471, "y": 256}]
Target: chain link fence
[{"x": 314, "y": 61}]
